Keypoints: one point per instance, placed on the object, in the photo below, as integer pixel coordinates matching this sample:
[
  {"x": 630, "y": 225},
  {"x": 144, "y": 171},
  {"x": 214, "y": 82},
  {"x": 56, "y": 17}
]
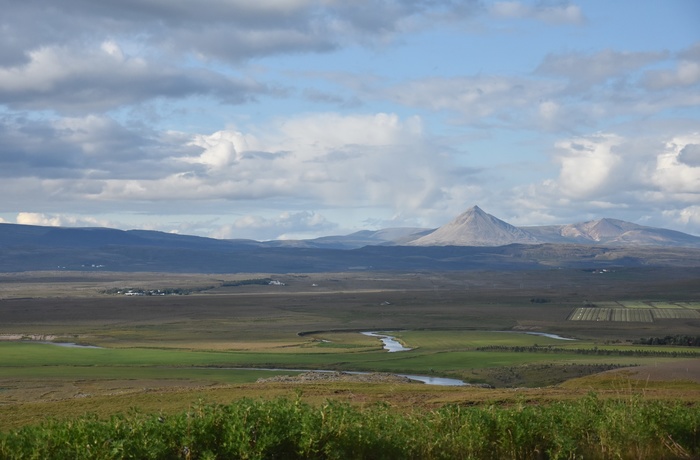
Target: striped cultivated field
[
  {"x": 676, "y": 313},
  {"x": 591, "y": 314},
  {"x": 691, "y": 305},
  {"x": 632, "y": 315},
  {"x": 636, "y": 311}
]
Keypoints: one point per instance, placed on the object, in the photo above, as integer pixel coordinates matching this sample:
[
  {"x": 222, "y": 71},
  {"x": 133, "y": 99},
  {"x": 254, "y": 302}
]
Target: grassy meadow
[
  {"x": 284, "y": 428},
  {"x": 164, "y": 354}
]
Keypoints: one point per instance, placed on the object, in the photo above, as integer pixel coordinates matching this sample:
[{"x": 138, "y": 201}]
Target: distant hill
[
  {"x": 474, "y": 240},
  {"x": 392, "y": 236},
  {"x": 613, "y": 232}
]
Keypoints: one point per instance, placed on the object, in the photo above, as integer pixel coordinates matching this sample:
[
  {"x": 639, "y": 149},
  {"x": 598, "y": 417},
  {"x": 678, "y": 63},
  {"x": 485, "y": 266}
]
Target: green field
[
  {"x": 163, "y": 352},
  {"x": 448, "y": 353}
]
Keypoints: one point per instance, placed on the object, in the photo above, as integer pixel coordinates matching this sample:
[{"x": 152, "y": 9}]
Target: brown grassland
[{"x": 165, "y": 353}]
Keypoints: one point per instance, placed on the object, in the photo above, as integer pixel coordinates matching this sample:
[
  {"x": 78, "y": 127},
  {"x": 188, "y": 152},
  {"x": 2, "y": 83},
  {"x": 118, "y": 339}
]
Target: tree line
[
  {"x": 590, "y": 351},
  {"x": 677, "y": 340}
]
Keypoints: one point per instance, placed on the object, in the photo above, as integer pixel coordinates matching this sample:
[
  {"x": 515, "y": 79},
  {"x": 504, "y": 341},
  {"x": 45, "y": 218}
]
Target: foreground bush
[{"x": 290, "y": 429}]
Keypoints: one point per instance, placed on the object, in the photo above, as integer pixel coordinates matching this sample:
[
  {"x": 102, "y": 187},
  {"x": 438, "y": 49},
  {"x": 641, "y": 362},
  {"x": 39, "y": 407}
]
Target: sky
[{"x": 286, "y": 119}]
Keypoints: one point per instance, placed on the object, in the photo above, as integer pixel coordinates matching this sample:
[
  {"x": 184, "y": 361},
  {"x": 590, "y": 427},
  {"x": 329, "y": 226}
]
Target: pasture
[{"x": 164, "y": 352}]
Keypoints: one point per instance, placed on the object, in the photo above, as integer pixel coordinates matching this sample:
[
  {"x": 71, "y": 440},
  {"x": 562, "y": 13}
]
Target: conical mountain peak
[{"x": 475, "y": 227}]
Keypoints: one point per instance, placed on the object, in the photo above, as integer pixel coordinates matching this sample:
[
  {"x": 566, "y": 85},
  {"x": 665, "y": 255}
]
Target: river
[{"x": 390, "y": 343}]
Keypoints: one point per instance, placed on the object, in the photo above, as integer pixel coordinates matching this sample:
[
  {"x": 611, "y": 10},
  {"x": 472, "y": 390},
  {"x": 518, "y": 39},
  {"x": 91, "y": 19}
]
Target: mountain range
[
  {"x": 473, "y": 240},
  {"x": 478, "y": 228}
]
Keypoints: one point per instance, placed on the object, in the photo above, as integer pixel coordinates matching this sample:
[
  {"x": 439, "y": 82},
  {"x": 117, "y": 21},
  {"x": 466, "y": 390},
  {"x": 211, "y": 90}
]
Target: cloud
[
  {"x": 685, "y": 74},
  {"x": 91, "y": 58},
  {"x": 585, "y": 70},
  {"x": 316, "y": 161},
  {"x": 690, "y": 155},
  {"x": 677, "y": 177},
  {"x": 328, "y": 158},
  {"x": 589, "y": 166},
  {"x": 216, "y": 29},
  {"x": 95, "y": 80},
  {"x": 59, "y": 220},
  {"x": 286, "y": 225},
  {"x": 567, "y": 93},
  {"x": 81, "y": 147},
  {"x": 557, "y": 13},
  {"x": 608, "y": 174},
  {"x": 476, "y": 98},
  {"x": 687, "y": 218}
]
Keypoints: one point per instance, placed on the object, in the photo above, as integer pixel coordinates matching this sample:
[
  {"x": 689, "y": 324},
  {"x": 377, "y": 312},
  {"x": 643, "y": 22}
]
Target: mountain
[
  {"x": 475, "y": 240},
  {"x": 612, "y": 232},
  {"x": 15, "y": 235},
  {"x": 476, "y": 228},
  {"x": 390, "y": 236}
]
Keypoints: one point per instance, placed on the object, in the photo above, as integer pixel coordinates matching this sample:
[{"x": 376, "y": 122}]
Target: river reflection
[
  {"x": 390, "y": 343},
  {"x": 435, "y": 380}
]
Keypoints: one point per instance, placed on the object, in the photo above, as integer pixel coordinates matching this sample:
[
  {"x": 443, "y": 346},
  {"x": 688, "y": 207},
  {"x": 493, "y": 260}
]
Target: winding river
[{"x": 390, "y": 343}]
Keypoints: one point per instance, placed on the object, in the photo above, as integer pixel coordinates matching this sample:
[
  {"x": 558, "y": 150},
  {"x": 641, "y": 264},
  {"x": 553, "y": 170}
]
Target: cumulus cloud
[
  {"x": 589, "y": 166},
  {"x": 674, "y": 176},
  {"x": 327, "y": 158},
  {"x": 323, "y": 160},
  {"x": 610, "y": 175},
  {"x": 687, "y": 218},
  {"x": 221, "y": 149}
]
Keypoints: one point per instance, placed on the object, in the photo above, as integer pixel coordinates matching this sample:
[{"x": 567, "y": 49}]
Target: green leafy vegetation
[{"x": 282, "y": 428}]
